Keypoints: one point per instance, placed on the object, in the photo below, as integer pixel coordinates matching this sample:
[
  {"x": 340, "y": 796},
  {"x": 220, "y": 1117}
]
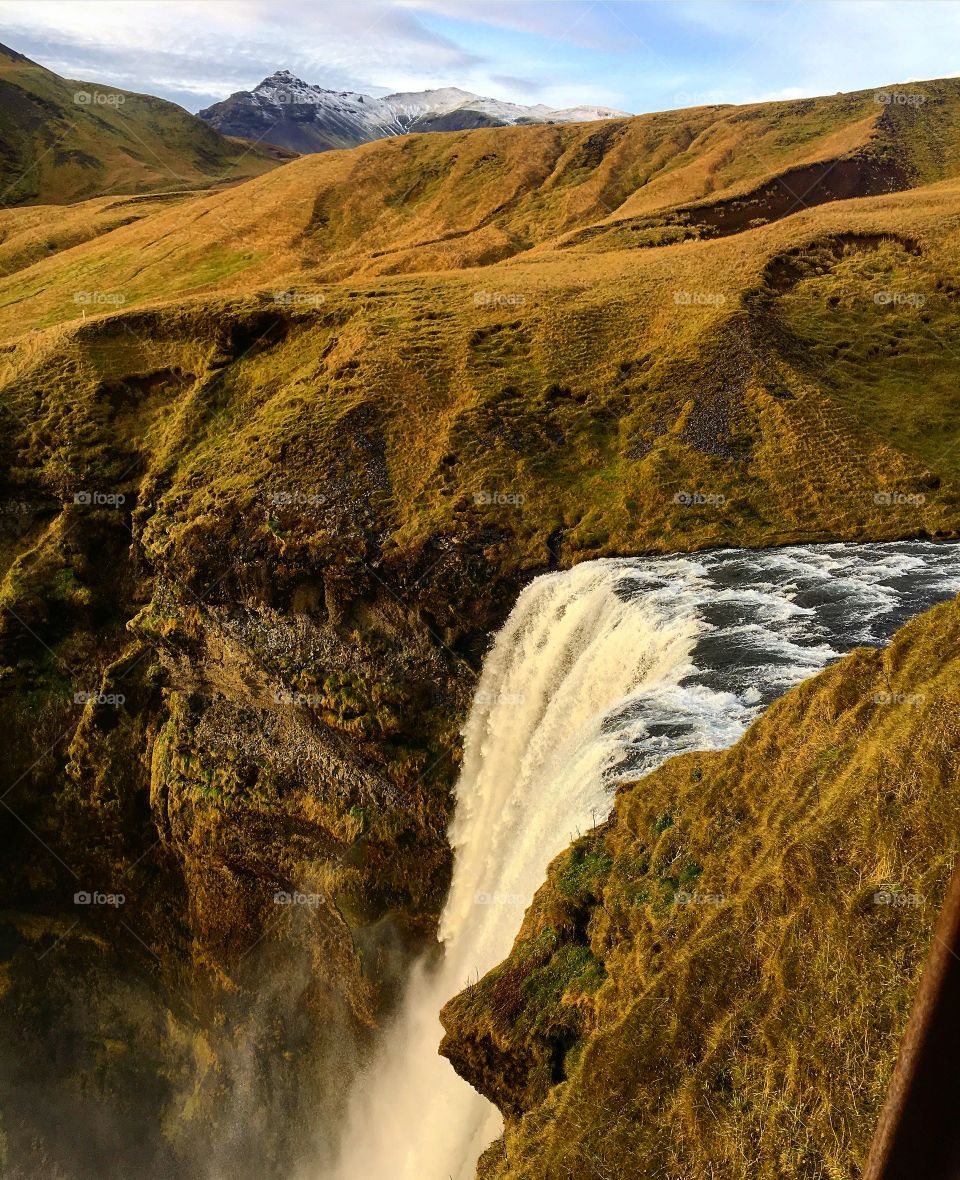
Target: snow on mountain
[{"x": 285, "y": 110}]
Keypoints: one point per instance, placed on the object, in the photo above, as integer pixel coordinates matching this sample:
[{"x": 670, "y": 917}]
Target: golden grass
[
  {"x": 594, "y": 394},
  {"x": 467, "y": 199}
]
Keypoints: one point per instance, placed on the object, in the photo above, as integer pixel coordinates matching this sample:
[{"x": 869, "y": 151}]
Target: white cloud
[
  {"x": 638, "y": 56},
  {"x": 821, "y": 46},
  {"x": 585, "y": 23},
  {"x": 214, "y": 48}
]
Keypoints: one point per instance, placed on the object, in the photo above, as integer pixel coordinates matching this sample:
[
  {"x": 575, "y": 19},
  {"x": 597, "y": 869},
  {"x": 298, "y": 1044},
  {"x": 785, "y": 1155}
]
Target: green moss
[
  {"x": 570, "y": 968},
  {"x": 585, "y": 870}
]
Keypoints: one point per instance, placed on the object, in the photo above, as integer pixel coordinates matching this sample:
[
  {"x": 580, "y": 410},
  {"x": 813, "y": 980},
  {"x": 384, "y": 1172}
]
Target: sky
[{"x": 634, "y": 55}]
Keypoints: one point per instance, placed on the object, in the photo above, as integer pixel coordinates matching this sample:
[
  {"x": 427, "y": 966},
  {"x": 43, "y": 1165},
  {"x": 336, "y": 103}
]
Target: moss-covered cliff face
[
  {"x": 714, "y": 983},
  {"x": 264, "y": 776},
  {"x": 239, "y": 718}
]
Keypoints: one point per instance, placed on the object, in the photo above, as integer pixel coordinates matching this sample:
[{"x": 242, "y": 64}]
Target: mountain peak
[
  {"x": 439, "y": 92},
  {"x": 286, "y": 111}
]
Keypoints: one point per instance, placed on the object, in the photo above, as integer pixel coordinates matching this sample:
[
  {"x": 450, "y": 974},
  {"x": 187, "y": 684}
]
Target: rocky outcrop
[{"x": 228, "y": 787}]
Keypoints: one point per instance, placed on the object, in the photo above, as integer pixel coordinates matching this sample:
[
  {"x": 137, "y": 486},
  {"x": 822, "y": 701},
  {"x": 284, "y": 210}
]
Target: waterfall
[{"x": 600, "y": 673}]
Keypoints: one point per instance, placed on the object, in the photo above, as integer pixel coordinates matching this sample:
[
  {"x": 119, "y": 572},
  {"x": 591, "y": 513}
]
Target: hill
[
  {"x": 468, "y": 199},
  {"x": 63, "y": 141}
]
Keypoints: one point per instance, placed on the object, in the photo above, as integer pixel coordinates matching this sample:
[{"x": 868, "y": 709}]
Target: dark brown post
[{"x": 918, "y": 1135}]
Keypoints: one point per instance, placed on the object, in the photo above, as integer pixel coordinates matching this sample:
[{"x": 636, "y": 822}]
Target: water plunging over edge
[{"x": 599, "y": 674}]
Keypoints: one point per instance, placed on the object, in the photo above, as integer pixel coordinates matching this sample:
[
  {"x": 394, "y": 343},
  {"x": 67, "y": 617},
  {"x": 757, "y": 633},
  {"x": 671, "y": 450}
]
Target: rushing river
[{"x": 598, "y": 675}]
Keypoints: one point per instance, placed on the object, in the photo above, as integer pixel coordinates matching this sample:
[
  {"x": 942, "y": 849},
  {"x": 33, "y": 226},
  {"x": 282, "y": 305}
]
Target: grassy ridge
[
  {"x": 800, "y": 375},
  {"x": 467, "y": 199}
]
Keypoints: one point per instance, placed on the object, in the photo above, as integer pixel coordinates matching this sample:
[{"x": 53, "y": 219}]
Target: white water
[{"x": 598, "y": 675}]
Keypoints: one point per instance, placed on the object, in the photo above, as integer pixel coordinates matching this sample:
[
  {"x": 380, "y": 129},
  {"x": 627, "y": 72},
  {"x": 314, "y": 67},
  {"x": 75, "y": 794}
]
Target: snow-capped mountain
[{"x": 286, "y": 111}]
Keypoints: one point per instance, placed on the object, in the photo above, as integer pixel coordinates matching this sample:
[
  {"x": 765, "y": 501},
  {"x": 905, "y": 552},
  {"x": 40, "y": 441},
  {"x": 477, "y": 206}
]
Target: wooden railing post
[{"x": 918, "y": 1135}]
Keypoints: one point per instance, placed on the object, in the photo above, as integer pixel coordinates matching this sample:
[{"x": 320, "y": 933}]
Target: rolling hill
[
  {"x": 469, "y": 199},
  {"x": 63, "y": 141}
]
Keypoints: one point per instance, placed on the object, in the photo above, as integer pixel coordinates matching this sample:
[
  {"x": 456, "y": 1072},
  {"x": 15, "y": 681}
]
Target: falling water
[{"x": 598, "y": 675}]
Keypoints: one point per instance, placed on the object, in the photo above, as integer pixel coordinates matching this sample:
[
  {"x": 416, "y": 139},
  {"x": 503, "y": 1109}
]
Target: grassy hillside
[
  {"x": 63, "y": 141},
  {"x": 467, "y": 199},
  {"x": 587, "y": 409},
  {"x": 275, "y": 461},
  {"x": 715, "y": 982}
]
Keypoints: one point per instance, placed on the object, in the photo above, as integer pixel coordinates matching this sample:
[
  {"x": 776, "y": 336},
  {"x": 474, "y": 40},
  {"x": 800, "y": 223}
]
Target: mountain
[
  {"x": 276, "y": 460},
  {"x": 291, "y": 113},
  {"x": 63, "y": 141}
]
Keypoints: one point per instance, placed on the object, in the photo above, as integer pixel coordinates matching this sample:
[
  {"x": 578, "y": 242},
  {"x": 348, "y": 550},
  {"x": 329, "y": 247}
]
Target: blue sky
[{"x": 636, "y": 55}]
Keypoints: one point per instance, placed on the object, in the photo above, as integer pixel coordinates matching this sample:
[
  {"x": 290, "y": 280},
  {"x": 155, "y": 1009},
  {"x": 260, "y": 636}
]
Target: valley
[{"x": 285, "y": 443}]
